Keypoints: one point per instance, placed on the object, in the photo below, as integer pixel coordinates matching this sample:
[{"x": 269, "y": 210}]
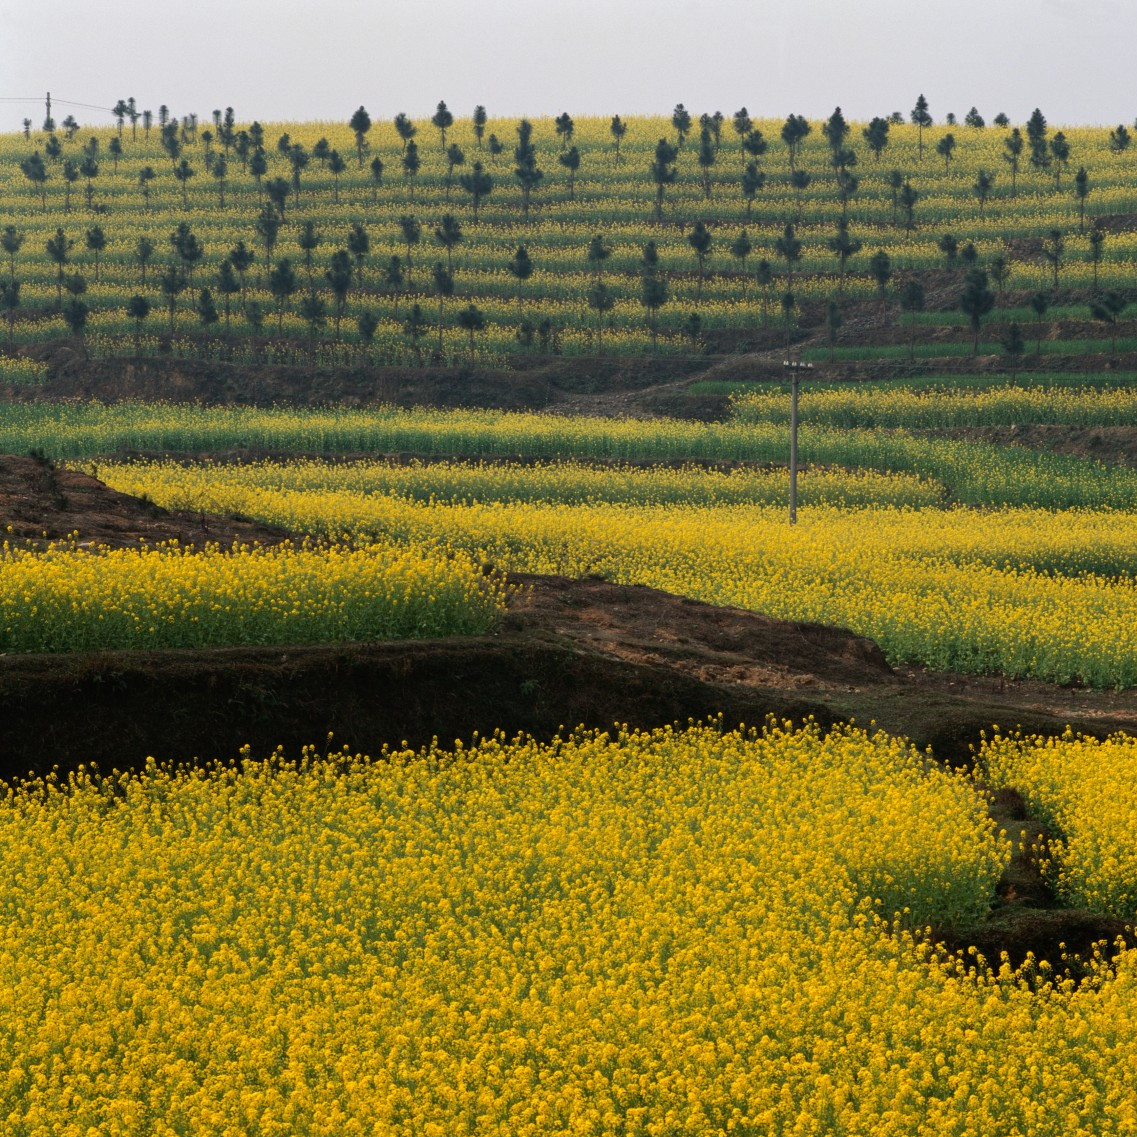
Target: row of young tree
[
  {"x": 248, "y": 147},
  {"x": 449, "y": 234},
  {"x": 346, "y": 269},
  {"x": 284, "y": 280},
  {"x": 1039, "y": 150},
  {"x": 793, "y": 132}
]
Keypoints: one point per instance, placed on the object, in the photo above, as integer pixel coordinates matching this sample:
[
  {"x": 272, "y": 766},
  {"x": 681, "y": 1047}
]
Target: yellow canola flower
[
  {"x": 569, "y": 482},
  {"x": 975, "y": 473},
  {"x": 698, "y": 930},
  {"x": 69, "y": 599},
  {"x": 940, "y": 408}
]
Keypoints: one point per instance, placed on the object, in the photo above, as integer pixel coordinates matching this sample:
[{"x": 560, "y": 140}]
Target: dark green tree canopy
[
  {"x": 681, "y": 120},
  {"x": 836, "y": 130},
  {"x": 443, "y": 120},
  {"x": 876, "y": 135},
  {"x": 565, "y": 127},
  {"x": 478, "y": 184},
  {"x": 360, "y": 124},
  {"x": 663, "y": 171},
  {"x": 404, "y": 128},
  {"x": 976, "y": 300},
  {"x": 521, "y": 264},
  {"x": 794, "y": 131}
]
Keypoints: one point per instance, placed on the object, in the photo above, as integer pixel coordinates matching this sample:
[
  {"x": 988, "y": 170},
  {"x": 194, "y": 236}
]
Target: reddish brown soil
[
  {"x": 40, "y": 502},
  {"x": 727, "y": 646},
  {"x": 1117, "y": 222}
]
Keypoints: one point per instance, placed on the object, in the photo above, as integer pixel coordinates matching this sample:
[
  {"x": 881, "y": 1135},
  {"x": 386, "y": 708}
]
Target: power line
[
  {"x": 61, "y": 102},
  {"x": 88, "y": 106}
]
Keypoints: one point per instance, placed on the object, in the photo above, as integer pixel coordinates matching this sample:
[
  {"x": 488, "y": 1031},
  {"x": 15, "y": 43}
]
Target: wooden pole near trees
[{"x": 796, "y": 367}]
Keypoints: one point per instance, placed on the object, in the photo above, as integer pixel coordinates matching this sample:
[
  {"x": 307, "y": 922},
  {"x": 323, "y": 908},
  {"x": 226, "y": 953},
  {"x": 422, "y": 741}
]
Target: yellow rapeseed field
[
  {"x": 676, "y": 932},
  {"x": 974, "y": 473},
  {"x": 848, "y": 406},
  {"x": 957, "y": 589},
  {"x": 72, "y": 599}
]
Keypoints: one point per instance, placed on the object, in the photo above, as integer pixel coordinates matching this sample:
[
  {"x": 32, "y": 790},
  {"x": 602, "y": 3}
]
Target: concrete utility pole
[{"x": 796, "y": 367}]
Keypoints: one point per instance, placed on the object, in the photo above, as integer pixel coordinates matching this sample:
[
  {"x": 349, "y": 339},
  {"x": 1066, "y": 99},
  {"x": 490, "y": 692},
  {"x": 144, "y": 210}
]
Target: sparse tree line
[
  {"x": 325, "y": 290},
  {"x": 225, "y": 146}
]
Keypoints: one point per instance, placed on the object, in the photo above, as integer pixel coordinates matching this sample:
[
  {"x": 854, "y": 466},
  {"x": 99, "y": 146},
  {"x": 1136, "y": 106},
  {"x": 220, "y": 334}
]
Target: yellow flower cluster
[
  {"x": 640, "y": 933},
  {"x": 952, "y": 588},
  {"x": 72, "y": 599},
  {"x": 1086, "y": 791},
  {"x": 567, "y": 482},
  {"x": 22, "y": 372},
  {"x": 848, "y": 406},
  {"x": 70, "y": 429}
]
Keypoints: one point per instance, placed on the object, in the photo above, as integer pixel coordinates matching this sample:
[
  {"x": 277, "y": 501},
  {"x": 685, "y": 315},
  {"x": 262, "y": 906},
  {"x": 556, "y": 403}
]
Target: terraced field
[
  {"x": 560, "y": 266},
  {"x": 564, "y": 893}
]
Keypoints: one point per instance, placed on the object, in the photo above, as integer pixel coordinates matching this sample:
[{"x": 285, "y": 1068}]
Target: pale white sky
[{"x": 299, "y": 59}]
